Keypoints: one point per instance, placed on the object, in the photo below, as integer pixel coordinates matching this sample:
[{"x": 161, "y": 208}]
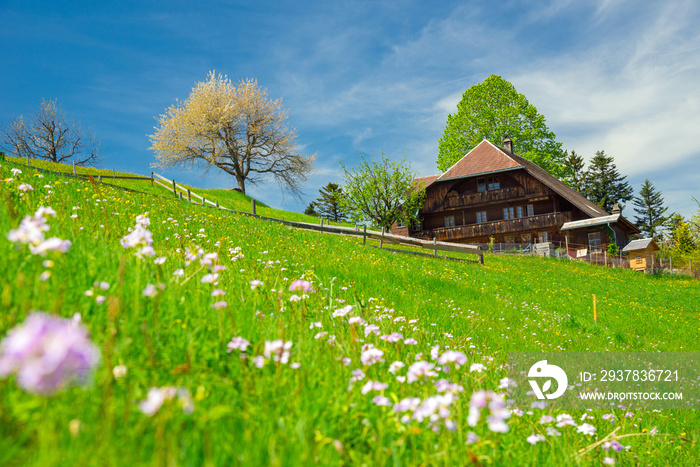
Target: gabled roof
[
  {"x": 641, "y": 244},
  {"x": 427, "y": 181},
  {"x": 486, "y": 157}
]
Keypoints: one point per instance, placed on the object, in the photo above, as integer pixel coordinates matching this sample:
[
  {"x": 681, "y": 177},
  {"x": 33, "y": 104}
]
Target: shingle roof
[
  {"x": 484, "y": 158},
  {"x": 426, "y": 180},
  {"x": 641, "y": 244}
]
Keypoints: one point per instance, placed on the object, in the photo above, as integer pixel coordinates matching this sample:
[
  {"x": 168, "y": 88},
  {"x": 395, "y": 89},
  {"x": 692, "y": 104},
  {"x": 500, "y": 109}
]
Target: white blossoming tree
[{"x": 234, "y": 128}]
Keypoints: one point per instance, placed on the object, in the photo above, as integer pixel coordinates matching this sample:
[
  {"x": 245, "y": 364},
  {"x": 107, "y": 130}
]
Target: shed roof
[{"x": 641, "y": 244}]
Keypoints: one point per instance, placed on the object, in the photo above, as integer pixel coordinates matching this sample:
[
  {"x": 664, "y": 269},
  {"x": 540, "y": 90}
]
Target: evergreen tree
[
  {"x": 328, "y": 205},
  {"x": 649, "y": 206},
  {"x": 604, "y": 184},
  {"x": 575, "y": 173},
  {"x": 311, "y": 209}
]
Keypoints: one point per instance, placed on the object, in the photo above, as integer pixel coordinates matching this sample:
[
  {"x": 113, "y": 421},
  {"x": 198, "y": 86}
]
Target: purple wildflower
[
  {"x": 304, "y": 286},
  {"x": 47, "y": 352}
]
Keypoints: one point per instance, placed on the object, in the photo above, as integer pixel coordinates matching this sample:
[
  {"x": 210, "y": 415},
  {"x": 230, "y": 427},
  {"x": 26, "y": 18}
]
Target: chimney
[
  {"x": 616, "y": 209},
  {"x": 508, "y": 145}
]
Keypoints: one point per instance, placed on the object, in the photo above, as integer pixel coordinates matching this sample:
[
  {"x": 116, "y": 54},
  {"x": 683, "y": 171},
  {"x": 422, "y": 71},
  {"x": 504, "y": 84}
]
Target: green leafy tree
[
  {"x": 684, "y": 239},
  {"x": 328, "y": 205},
  {"x": 494, "y": 109},
  {"x": 382, "y": 192},
  {"x": 604, "y": 184},
  {"x": 649, "y": 206},
  {"x": 575, "y": 172}
]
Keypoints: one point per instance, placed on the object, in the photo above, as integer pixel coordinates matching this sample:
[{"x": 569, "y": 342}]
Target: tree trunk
[{"x": 241, "y": 184}]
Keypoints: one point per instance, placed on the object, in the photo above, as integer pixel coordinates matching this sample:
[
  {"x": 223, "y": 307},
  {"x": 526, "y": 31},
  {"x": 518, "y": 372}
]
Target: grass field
[{"x": 309, "y": 401}]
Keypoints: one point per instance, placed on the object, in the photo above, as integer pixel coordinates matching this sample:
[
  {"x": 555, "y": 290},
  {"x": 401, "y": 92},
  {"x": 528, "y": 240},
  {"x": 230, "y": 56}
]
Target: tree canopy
[
  {"x": 382, "y": 192},
  {"x": 492, "y": 110},
  {"x": 234, "y": 128},
  {"x": 48, "y": 133}
]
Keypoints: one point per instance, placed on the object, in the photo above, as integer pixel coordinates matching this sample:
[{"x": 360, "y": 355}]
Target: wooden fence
[{"x": 185, "y": 193}]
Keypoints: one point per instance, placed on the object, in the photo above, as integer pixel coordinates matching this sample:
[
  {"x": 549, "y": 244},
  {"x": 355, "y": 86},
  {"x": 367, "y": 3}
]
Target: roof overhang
[
  {"x": 603, "y": 220},
  {"x": 509, "y": 169}
]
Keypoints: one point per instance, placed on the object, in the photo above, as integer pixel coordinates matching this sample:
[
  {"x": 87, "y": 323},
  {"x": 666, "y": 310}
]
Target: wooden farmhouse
[
  {"x": 641, "y": 254},
  {"x": 491, "y": 193}
]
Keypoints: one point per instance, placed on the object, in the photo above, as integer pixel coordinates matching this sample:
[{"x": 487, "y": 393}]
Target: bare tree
[
  {"x": 49, "y": 134},
  {"x": 234, "y": 128}
]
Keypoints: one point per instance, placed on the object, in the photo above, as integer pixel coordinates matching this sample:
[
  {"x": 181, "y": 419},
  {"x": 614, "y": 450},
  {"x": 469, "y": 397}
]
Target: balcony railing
[
  {"x": 472, "y": 199},
  {"x": 487, "y": 229}
]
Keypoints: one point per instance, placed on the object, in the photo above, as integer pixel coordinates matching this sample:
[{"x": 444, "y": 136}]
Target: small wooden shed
[{"x": 641, "y": 254}]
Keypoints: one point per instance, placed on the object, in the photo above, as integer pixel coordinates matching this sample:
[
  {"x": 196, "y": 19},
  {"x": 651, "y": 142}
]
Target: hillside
[{"x": 171, "y": 321}]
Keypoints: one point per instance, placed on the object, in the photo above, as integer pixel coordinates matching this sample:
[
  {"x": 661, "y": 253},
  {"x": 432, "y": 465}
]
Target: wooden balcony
[
  {"x": 502, "y": 227},
  {"x": 483, "y": 197}
]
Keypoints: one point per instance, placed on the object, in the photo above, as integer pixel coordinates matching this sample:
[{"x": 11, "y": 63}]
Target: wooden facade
[{"x": 516, "y": 202}]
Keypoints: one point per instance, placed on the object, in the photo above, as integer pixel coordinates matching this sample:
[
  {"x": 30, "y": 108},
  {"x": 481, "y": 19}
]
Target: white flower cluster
[{"x": 31, "y": 232}]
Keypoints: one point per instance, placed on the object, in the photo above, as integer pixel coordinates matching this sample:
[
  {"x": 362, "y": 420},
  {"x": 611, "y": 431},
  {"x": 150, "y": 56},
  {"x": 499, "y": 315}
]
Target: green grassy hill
[{"x": 160, "y": 322}]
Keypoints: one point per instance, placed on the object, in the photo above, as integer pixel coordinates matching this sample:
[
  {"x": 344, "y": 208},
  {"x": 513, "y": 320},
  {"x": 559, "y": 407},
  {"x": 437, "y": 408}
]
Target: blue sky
[{"x": 359, "y": 76}]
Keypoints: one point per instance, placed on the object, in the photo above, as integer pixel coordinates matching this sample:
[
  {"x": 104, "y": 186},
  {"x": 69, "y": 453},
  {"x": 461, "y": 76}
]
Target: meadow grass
[{"x": 306, "y": 410}]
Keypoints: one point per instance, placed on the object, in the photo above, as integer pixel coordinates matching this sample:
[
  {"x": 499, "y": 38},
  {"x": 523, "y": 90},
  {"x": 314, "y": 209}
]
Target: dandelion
[{"x": 47, "y": 353}]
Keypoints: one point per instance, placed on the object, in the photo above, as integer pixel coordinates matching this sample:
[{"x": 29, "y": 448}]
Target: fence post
[
  {"x": 381, "y": 241},
  {"x": 252, "y": 205},
  {"x": 322, "y": 222},
  {"x": 180, "y": 194},
  {"x": 204, "y": 200},
  {"x": 364, "y": 236},
  {"x": 151, "y": 178},
  {"x": 27, "y": 159},
  {"x": 74, "y": 173},
  {"x": 114, "y": 174},
  {"x": 435, "y": 246},
  {"x": 189, "y": 195},
  {"x": 99, "y": 179},
  {"x": 481, "y": 258},
  {"x": 217, "y": 204},
  {"x": 174, "y": 189}
]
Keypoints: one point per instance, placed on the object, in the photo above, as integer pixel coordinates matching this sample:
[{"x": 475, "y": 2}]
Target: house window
[
  {"x": 527, "y": 238},
  {"x": 480, "y": 184},
  {"x": 519, "y": 210},
  {"x": 543, "y": 237},
  {"x": 493, "y": 183},
  {"x": 510, "y": 240},
  {"x": 450, "y": 221},
  {"x": 400, "y": 223},
  {"x": 639, "y": 260},
  {"x": 508, "y": 213},
  {"x": 530, "y": 210},
  {"x": 480, "y": 217},
  {"x": 415, "y": 226},
  {"x": 594, "y": 242}
]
